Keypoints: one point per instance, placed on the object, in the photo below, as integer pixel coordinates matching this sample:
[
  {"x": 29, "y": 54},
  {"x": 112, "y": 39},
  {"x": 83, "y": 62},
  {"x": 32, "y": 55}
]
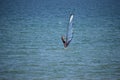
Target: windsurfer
[
  {"x": 69, "y": 35},
  {"x": 65, "y": 42}
]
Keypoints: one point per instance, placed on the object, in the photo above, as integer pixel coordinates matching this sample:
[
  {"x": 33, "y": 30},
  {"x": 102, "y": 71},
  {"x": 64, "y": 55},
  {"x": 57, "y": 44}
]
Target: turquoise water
[{"x": 31, "y": 48}]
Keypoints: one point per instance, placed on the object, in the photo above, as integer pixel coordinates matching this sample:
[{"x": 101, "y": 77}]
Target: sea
[{"x": 31, "y": 46}]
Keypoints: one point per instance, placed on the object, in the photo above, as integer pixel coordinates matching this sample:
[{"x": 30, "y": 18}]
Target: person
[{"x": 65, "y": 42}]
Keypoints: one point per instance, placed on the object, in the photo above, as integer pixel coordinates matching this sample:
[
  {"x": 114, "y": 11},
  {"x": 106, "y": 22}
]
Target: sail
[{"x": 69, "y": 34}]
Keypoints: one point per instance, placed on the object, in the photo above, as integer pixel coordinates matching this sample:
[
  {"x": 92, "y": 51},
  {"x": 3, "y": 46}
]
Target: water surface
[{"x": 31, "y": 49}]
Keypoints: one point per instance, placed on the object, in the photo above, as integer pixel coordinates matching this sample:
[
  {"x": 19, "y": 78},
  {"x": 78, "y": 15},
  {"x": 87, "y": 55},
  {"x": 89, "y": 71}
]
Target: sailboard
[{"x": 69, "y": 34}]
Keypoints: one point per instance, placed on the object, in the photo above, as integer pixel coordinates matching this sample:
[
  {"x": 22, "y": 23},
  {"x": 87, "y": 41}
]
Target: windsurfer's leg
[
  {"x": 62, "y": 39},
  {"x": 64, "y": 42}
]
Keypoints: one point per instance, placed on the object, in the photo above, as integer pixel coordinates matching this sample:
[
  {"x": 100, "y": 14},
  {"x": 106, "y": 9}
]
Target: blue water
[{"x": 30, "y": 45}]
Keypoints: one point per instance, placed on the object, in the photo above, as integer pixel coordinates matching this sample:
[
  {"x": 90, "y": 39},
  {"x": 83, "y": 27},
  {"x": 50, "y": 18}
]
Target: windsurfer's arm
[{"x": 68, "y": 42}]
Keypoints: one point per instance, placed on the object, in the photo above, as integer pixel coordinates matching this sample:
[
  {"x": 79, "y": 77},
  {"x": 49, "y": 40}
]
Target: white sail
[{"x": 69, "y": 34}]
